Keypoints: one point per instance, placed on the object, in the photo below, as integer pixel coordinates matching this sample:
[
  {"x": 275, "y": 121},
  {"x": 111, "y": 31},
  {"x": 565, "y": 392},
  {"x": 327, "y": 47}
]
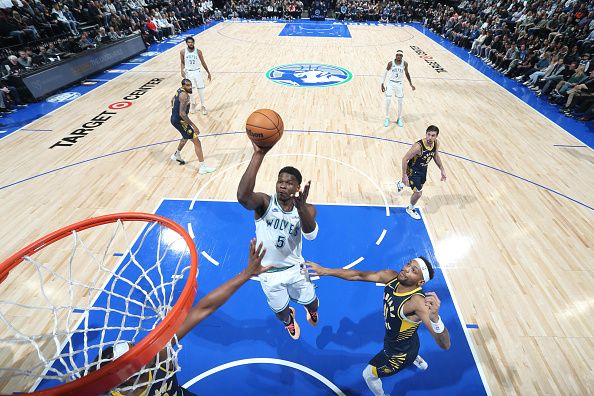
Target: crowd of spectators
[
  {"x": 544, "y": 44},
  {"x": 34, "y": 33},
  {"x": 380, "y": 11},
  {"x": 260, "y": 9}
]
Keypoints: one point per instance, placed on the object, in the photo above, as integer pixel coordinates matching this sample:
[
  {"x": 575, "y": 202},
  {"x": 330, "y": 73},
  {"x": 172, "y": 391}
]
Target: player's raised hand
[
  {"x": 260, "y": 150},
  {"x": 300, "y": 197},
  {"x": 432, "y": 302},
  {"x": 257, "y": 253},
  {"x": 314, "y": 269}
]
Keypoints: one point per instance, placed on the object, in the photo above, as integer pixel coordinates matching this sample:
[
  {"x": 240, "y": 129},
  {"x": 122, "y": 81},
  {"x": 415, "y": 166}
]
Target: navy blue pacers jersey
[
  {"x": 418, "y": 163},
  {"x": 175, "y": 118},
  {"x": 401, "y": 333}
]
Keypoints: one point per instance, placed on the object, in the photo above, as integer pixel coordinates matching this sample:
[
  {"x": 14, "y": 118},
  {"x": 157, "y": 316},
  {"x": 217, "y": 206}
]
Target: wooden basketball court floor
[{"x": 512, "y": 226}]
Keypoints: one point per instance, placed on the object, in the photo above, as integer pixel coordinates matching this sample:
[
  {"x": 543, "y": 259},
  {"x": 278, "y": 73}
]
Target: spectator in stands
[
  {"x": 113, "y": 35},
  {"x": 20, "y": 28},
  {"x": 13, "y": 67},
  {"x": 62, "y": 20},
  {"x": 10, "y": 97},
  {"x": 164, "y": 25},
  {"x": 154, "y": 32},
  {"x": 551, "y": 81},
  {"x": 25, "y": 60},
  {"x": 85, "y": 42},
  {"x": 563, "y": 86}
]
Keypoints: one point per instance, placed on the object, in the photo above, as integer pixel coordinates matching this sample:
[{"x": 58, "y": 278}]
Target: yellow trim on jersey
[
  {"x": 410, "y": 293},
  {"x": 116, "y": 393},
  {"x": 374, "y": 371},
  {"x": 424, "y": 143},
  {"x": 393, "y": 280}
]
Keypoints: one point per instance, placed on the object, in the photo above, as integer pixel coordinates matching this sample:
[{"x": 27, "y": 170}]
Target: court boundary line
[
  {"x": 463, "y": 323},
  {"x": 360, "y": 259},
  {"x": 555, "y": 192},
  {"x": 94, "y": 88},
  {"x": 420, "y": 27},
  {"x": 280, "y": 362}
]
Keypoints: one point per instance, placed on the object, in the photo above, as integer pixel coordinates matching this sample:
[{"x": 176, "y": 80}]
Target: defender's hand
[{"x": 254, "y": 266}]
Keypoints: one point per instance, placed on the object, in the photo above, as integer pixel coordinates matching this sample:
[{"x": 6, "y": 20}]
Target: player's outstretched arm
[
  {"x": 213, "y": 300},
  {"x": 428, "y": 311},
  {"x": 383, "y": 276},
  {"x": 245, "y": 192}
]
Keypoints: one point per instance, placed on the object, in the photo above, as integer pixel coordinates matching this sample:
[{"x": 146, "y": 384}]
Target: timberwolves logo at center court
[{"x": 309, "y": 75}]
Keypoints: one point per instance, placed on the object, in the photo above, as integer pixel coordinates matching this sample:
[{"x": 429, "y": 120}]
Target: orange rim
[{"x": 116, "y": 372}]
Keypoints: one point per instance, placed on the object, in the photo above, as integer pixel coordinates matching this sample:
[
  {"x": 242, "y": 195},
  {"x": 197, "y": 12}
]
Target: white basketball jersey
[
  {"x": 191, "y": 59},
  {"x": 280, "y": 232},
  {"x": 397, "y": 71}
]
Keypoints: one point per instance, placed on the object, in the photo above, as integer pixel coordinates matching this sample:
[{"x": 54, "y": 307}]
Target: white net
[{"x": 64, "y": 307}]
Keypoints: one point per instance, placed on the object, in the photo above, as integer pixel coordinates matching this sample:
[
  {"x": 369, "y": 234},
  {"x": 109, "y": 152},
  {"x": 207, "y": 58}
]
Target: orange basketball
[{"x": 264, "y": 127}]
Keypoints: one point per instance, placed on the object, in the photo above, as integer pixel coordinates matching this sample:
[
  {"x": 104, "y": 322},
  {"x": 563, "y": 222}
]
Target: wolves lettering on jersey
[
  {"x": 397, "y": 71},
  {"x": 280, "y": 232},
  {"x": 420, "y": 162},
  {"x": 191, "y": 60},
  {"x": 401, "y": 333}
]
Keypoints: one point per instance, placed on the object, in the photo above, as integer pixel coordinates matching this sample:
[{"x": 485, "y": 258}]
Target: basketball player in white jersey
[
  {"x": 191, "y": 59},
  {"x": 393, "y": 85},
  {"x": 282, "y": 218}
]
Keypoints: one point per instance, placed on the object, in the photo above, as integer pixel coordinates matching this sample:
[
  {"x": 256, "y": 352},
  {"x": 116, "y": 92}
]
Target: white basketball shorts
[
  {"x": 282, "y": 286},
  {"x": 395, "y": 89},
  {"x": 196, "y": 77}
]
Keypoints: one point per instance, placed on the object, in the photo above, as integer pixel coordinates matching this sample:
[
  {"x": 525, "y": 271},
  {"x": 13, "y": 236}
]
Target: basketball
[{"x": 264, "y": 127}]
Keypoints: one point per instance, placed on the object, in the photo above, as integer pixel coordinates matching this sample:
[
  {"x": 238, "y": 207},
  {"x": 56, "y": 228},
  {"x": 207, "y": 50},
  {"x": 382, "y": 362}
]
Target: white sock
[
  {"x": 388, "y": 100},
  {"x": 201, "y": 94},
  {"x": 400, "y": 100},
  {"x": 373, "y": 382}
]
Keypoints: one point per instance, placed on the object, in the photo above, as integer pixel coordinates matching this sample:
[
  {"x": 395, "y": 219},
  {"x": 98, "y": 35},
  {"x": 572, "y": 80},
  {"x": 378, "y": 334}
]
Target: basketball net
[{"x": 67, "y": 302}]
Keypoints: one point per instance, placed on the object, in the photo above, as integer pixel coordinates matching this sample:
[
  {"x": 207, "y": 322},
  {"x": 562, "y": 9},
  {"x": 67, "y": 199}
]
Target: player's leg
[
  {"x": 373, "y": 381},
  {"x": 191, "y": 75},
  {"x": 177, "y": 155},
  {"x": 278, "y": 299},
  {"x": 200, "y": 88},
  {"x": 388, "y": 101},
  {"x": 183, "y": 131},
  {"x": 302, "y": 290},
  {"x": 416, "y": 184},
  {"x": 385, "y": 365},
  {"x": 203, "y": 168},
  {"x": 400, "y": 98}
]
